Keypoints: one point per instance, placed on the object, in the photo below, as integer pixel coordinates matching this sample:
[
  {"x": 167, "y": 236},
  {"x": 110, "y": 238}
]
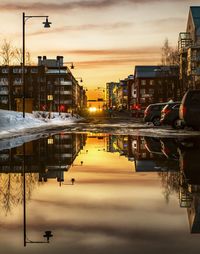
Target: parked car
[
  {"x": 170, "y": 115},
  {"x": 189, "y": 110},
  {"x": 153, "y": 113}
]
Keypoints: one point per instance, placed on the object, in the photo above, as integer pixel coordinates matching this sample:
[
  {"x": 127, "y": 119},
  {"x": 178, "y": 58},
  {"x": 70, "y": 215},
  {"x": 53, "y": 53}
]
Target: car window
[
  {"x": 176, "y": 106},
  {"x": 157, "y": 107},
  {"x": 195, "y": 99}
]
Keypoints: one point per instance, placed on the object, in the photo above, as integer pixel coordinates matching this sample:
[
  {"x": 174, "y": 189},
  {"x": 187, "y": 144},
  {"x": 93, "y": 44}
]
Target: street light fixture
[
  {"x": 46, "y": 25},
  {"x": 81, "y": 80},
  {"x": 71, "y": 66}
]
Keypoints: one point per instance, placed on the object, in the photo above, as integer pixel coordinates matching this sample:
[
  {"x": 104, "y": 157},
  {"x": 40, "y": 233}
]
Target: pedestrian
[{"x": 72, "y": 180}]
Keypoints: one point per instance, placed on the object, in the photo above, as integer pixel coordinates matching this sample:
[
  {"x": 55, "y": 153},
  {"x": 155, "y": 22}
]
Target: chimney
[
  {"x": 39, "y": 60},
  {"x": 61, "y": 60}
]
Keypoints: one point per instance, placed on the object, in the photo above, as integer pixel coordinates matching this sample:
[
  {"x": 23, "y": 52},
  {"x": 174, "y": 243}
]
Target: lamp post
[{"x": 46, "y": 25}]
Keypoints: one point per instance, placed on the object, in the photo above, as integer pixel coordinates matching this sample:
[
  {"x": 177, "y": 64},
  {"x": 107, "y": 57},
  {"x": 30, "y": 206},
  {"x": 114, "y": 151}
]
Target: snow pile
[{"x": 12, "y": 122}]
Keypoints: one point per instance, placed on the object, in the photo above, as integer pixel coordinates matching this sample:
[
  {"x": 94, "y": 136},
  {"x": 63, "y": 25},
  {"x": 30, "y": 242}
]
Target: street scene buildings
[
  {"x": 49, "y": 86},
  {"x": 113, "y": 166},
  {"x": 162, "y": 83}
]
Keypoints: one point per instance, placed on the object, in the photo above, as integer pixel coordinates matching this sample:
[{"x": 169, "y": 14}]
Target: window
[
  {"x": 4, "y": 81},
  {"x": 151, "y": 91},
  {"x": 34, "y": 70},
  {"x": 151, "y": 82},
  {"x": 143, "y": 82},
  {"x": 195, "y": 99},
  {"x": 142, "y": 100},
  {"x": 142, "y": 91},
  {"x": 5, "y": 70},
  {"x": 17, "y": 70}
]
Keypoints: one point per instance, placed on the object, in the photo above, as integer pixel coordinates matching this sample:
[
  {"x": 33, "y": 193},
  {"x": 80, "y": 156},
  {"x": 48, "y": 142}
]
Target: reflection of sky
[{"x": 109, "y": 209}]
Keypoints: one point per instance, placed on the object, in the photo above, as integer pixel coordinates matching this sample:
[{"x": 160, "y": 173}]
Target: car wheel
[
  {"x": 156, "y": 121},
  {"x": 195, "y": 128},
  {"x": 176, "y": 124}
]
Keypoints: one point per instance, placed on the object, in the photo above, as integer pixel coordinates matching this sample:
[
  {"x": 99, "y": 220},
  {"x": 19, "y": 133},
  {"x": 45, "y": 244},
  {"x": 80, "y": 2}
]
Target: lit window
[{"x": 143, "y": 82}]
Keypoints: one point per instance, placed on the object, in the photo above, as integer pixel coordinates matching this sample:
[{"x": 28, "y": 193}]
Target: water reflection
[{"x": 116, "y": 160}]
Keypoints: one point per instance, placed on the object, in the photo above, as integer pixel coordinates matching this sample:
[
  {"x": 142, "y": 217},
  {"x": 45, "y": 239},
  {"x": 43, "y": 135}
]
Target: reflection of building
[
  {"x": 49, "y": 157},
  {"x": 48, "y": 85},
  {"x": 134, "y": 148},
  {"x": 190, "y": 183},
  {"x": 148, "y": 154}
]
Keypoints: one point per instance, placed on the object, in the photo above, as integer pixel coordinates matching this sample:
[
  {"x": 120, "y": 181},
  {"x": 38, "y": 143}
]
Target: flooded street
[{"x": 100, "y": 193}]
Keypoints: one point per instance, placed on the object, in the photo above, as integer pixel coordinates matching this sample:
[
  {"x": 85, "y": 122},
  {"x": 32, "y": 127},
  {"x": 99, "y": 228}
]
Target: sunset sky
[{"x": 104, "y": 38}]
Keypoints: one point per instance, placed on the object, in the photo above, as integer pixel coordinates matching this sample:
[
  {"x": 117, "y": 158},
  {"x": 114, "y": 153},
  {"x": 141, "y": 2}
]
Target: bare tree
[
  {"x": 7, "y": 52},
  {"x": 11, "y": 55},
  {"x": 18, "y": 57},
  {"x": 169, "y": 55}
]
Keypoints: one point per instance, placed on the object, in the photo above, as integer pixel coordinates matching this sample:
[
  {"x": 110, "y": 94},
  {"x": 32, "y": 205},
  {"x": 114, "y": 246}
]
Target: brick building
[
  {"x": 154, "y": 84},
  {"x": 48, "y": 86}
]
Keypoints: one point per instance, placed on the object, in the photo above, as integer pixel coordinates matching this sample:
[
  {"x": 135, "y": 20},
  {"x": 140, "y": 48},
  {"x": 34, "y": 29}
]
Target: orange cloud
[
  {"x": 102, "y": 26},
  {"x": 67, "y": 6}
]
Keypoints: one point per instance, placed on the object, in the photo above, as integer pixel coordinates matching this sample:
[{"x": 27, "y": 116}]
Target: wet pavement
[{"x": 99, "y": 192}]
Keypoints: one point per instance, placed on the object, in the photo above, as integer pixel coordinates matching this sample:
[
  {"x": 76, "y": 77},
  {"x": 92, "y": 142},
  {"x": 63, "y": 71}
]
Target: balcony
[
  {"x": 194, "y": 72},
  {"x": 64, "y": 92},
  {"x": 3, "y": 92},
  {"x": 64, "y": 83},
  {"x": 63, "y": 102},
  {"x": 17, "y": 83},
  {"x": 4, "y": 101},
  {"x": 3, "y": 83}
]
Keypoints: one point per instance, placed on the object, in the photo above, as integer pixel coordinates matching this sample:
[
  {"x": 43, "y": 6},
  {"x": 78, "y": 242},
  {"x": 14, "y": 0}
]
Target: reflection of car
[
  {"x": 162, "y": 151},
  {"x": 153, "y": 113},
  {"x": 153, "y": 145},
  {"x": 169, "y": 148},
  {"x": 170, "y": 115},
  {"x": 189, "y": 162},
  {"x": 190, "y": 109}
]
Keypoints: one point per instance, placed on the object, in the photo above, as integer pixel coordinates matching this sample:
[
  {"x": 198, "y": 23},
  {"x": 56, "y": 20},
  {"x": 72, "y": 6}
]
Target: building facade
[
  {"x": 48, "y": 86},
  {"x": 189, "y": 52},
  {"x": 153, "y": 84}
]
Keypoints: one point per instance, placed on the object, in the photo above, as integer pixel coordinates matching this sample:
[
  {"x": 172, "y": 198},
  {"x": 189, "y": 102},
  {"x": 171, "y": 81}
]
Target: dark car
[
  {"x": 153, "y": 113},
  {"x": 189, "y": 110},
  {"x": 170, "y": 115}
]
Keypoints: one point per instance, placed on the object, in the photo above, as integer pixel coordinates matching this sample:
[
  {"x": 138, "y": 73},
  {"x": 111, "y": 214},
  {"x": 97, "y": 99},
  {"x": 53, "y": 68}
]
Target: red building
[{"x": 154, "y": 84}]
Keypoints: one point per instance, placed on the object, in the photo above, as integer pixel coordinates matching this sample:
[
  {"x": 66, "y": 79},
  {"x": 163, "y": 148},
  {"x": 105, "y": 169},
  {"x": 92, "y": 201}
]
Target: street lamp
[
  {"x": 71, "y": 66},
  {"x": 46, "y": 25},
  {"x": 81, "y": 80}
]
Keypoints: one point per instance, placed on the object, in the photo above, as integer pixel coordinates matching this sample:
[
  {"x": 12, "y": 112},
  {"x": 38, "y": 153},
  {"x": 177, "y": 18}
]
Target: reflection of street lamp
[
  {"x": 46, "y": 25},
  {"x": 48, "y": 233}
]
